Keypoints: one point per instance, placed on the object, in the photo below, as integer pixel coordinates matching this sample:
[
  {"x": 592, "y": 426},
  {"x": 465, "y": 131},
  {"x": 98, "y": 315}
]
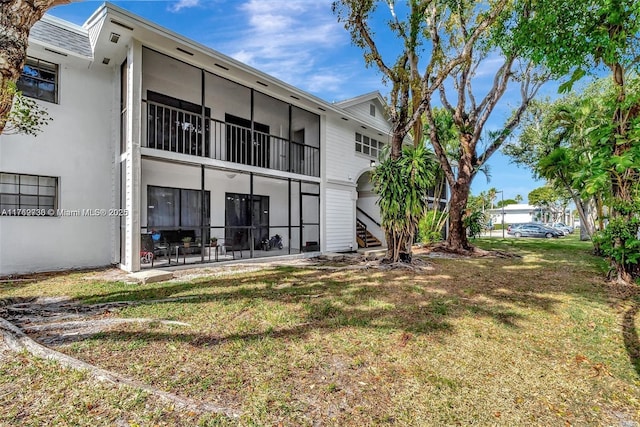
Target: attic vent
[
  {"x": 345, "y": 119},
  {"x": 106, "y": 61},
  {"x": 114, "y": 37},
  {"x": 294, "y": 97},
  {"x": 372, "y": 110},
  {"x": 221, "y": 66},
  {"x": 184, "y": 51},
  {"x": 55, "y": 51},
  {"x": 321, "y": 109},
  {"x": 120, "y": 24},
  {"x": 262, "y": 83}
]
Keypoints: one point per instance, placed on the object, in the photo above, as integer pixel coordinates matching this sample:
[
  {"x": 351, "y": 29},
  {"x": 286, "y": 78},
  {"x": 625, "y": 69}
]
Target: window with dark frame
[
  {"x": 176, "y": 207},
  {"x": 28, "y": 195},
  {"x": 39, "y": 80},
  {"x": 368, "y": 146}
]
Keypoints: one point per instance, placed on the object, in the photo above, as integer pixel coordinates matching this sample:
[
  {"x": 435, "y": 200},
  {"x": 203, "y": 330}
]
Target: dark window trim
[
  {"x": 30, "y": 210},
  {"x": 363, "y": 141},
  {"x": 56, "y": 83},
  {"x": 180, "y": 190}
]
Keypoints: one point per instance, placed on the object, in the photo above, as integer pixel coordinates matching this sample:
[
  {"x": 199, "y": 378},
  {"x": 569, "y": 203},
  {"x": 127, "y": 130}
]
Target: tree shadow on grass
[
  {"x": 321, "y": 317},
  {"x": 331, "y": 300},
  {"x": 630, "y": 334},
  {"x": 328, "y": 300}
]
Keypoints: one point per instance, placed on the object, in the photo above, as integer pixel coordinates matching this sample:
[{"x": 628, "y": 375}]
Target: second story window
[
  {"x": 368, "y": 146},
  {"x": 39, "y": 80}
]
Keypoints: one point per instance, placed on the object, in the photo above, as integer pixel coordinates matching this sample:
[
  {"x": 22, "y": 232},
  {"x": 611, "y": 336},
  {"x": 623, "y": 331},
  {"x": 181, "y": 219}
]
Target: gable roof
[
  {"x": 62, "y": 35},
  {"x": 366, "y": 97}
]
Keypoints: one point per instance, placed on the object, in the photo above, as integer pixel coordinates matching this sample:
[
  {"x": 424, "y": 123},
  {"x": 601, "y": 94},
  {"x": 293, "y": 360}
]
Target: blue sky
[{"x": 301, "y": 43}]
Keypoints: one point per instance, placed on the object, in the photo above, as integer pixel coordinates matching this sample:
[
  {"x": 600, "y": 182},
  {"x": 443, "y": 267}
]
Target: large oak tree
[{"x": 455, "y": 41}]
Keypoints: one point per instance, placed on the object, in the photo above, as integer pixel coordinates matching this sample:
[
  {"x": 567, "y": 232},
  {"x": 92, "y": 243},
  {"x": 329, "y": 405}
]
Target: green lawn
[{"x": 539, "y": 339}]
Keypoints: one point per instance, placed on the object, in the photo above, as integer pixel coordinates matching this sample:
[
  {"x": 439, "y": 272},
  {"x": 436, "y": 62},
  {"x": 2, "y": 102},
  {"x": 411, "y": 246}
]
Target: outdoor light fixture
[
  {"x": 372, "y": 163},
  {"x": 114, "y": 37}
]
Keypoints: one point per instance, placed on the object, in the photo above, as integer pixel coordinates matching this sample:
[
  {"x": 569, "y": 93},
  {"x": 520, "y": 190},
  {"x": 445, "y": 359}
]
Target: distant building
[
  {"x": 519, "y": 213},
  {"x": 514, "y": 214}
]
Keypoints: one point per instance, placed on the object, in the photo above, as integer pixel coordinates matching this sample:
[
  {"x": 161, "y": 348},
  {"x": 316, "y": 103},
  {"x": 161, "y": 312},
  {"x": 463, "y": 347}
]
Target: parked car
[
  {"x": 511, "y": 226},
  {"x": 562, "y": 226},
  {"x": 534, "y": 230},
  {"x": 563, "y": 230}
]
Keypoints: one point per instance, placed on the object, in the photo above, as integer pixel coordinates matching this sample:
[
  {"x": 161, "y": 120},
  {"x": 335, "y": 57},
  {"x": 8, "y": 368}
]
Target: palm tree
[{"x": 402, "y": 186}]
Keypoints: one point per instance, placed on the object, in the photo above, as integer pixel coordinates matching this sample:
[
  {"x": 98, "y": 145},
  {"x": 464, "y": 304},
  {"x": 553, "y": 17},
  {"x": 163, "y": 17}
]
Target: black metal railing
[
  {"x": 167, "y": 246},
  {"x": 369, "y": 217},
  {"x": 180, "y": 131},
  {"x": 361, "y": 230}
]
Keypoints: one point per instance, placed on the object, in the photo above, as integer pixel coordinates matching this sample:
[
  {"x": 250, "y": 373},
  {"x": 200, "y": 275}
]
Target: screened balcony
[
  {"x": 194, "y": 112},
  {"x": 200, "y": 214}
]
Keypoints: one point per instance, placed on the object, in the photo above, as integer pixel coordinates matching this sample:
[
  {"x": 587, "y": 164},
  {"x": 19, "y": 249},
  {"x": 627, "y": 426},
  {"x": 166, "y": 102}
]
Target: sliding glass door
[
  {"x": 239, "y": 211},
  {"x": 176, "y": 207}
]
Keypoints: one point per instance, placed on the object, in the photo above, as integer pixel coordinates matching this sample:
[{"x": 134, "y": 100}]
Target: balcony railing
[{"x": 180, "y": 131}]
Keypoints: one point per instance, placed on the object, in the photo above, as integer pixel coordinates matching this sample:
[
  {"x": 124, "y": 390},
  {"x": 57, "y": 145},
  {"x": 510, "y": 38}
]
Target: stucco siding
[{"x": 77, "y": 148}]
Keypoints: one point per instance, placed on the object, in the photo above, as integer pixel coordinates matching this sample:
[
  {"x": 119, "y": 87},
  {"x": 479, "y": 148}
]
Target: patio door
[
  {"x": 310, "y": 217},
  {"x": 239, "y": 211}
]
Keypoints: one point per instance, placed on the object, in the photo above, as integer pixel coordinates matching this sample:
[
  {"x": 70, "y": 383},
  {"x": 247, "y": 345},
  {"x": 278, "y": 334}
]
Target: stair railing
[
  {"x": 362, "y": 232},
  {"x": 368, "y": 216}
]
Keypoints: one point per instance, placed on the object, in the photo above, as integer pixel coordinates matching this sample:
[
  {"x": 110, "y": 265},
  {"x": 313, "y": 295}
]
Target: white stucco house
[
  {"x": 514, "y": 214},
  {"x": 157, "y": 140},
  {"x": 519, "y": 213}
]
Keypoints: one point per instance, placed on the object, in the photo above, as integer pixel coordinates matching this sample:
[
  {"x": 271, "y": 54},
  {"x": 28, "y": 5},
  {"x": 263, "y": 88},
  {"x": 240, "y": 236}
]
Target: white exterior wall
[
  {"x": 340, "y": 219},
  {"x": 362, "y": 111},
  {"x": 76, "y": 147},
  {"x": 511, "y": 217},
  {"x": 343, "y": 167}
]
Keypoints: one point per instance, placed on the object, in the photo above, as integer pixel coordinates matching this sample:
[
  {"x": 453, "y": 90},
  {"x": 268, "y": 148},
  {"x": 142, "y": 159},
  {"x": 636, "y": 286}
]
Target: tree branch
[{"x": 528, "y": 90}]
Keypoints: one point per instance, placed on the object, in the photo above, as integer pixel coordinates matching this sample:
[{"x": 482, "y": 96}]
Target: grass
[{"x": 533, "y": 340}]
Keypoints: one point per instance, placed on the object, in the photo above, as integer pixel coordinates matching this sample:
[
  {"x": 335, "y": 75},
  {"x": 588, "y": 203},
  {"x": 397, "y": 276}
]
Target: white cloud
[
  {"x": 183, "y": 4},
  {"x": 290, "y": 40}
]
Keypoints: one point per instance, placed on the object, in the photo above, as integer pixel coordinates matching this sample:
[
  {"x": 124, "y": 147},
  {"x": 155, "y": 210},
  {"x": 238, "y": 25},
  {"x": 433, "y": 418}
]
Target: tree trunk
[
  {"x": 623, "y": 184},
  {"x": 586, "y": 231},
  {"x": 394, "y": 240},
  {"x": 457, "y": 240},
  {"x": 16, "y": 19}
]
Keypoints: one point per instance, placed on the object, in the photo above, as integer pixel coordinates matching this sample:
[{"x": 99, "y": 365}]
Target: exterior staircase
[{"x": 364, "y": 236}]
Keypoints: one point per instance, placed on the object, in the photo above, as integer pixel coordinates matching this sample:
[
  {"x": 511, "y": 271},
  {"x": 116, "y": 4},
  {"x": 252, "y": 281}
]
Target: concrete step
[{"x": 150, "y": 276}]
